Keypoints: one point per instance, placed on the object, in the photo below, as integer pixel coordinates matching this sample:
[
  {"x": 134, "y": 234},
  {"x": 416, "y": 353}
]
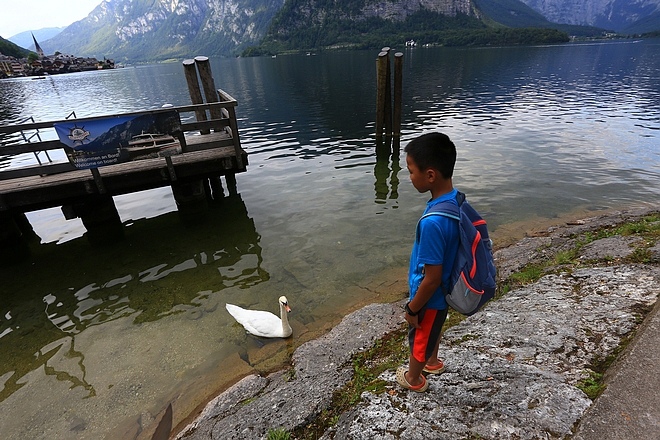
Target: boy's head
[{"x": 433, "y": 150}]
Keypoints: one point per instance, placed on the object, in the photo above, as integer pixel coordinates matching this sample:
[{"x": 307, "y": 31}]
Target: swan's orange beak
[{"x": 288, "y": 309}]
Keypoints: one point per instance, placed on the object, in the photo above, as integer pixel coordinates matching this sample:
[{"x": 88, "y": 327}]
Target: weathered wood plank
[
  {"x": 53, "y": 168},
  {"x": 200, "y": 125},
  {"x": 227, "y": 98},
  {"x": 38, "y": 192},
  {"x": 121, "y": 169},
  {"x": 211, "y": 140}
]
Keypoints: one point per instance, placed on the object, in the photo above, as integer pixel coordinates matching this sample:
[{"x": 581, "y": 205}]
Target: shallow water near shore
[{"x": 95, "y": 342}]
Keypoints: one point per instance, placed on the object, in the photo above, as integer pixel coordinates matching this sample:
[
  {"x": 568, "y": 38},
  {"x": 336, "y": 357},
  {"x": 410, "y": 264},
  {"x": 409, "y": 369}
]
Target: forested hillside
[
  {"x": 12, "y": 50},
  {"x": 356, "y": 25}
]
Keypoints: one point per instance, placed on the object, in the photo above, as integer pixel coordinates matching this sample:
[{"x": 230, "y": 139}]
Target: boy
[{"x": 430, "y": 159}]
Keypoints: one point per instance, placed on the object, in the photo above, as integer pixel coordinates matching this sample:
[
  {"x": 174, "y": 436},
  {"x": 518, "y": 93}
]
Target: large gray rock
[{"x": 513, "y": 368}]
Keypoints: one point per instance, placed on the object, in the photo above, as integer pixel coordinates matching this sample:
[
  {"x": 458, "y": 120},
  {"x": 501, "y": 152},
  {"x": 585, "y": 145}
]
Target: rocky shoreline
[{"x": 515, "y": 370}]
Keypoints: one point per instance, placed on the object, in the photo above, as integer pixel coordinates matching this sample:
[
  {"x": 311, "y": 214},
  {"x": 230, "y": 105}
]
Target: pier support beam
[
  {"x": 231, "y": 184},
  {"x": 216, "y": 191},
  {"x": 101, "y": 219},
  {"x": 13, "y": 241},
  {"x": 191, "y": 200}
]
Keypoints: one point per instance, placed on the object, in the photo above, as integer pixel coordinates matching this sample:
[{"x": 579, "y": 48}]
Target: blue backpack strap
[
  {"x": 443, "y": 209},
  {"x": 447, "y": 208}
]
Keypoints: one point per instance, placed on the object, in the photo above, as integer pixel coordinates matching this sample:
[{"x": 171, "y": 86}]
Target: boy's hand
[{"x": 412, "y": 320}]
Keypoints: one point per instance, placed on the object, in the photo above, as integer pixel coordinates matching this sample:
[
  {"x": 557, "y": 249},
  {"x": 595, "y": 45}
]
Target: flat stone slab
[
  {"x": 610, "y": 247},
  {"x": 512, "y": 369},
  {"x": 630, "y": 406}
]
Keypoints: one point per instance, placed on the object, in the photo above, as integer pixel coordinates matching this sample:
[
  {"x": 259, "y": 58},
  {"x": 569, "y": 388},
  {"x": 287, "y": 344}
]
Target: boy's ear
[{"x": 431, "y": 174}]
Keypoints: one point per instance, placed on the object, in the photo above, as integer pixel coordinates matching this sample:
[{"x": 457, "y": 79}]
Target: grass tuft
[
  {"x": 278, "y": 434},
  {"x": 593, "y": 385}
]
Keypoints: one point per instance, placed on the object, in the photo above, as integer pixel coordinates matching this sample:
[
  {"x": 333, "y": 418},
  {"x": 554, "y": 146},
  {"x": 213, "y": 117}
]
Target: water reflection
[
  {"x": 147, "y": 277},
  {"x": 11, "y": 105},
  {"x": 387, "y": 168}
]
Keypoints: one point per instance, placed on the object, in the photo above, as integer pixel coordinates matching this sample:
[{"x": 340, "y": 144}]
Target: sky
[{"x": 17, "y": 16}]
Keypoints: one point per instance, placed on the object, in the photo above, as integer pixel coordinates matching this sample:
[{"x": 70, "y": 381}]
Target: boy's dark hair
[{"x": 433, "y": 150}]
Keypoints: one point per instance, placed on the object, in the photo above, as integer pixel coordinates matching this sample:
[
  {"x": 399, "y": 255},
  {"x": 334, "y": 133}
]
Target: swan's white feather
[{"x": 261, "y": 323}]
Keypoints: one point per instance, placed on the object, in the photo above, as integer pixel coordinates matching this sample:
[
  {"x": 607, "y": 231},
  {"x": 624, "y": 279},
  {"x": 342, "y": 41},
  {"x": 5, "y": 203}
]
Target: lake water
[{"x": 94, "y": 343}]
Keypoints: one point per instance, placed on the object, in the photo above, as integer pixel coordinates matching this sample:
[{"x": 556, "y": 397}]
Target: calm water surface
[{"x": 95, "y": 342}]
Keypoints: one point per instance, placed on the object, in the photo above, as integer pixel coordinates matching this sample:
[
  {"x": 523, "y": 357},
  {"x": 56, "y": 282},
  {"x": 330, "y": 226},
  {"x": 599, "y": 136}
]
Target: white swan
[{"x": 264, "y": 324}]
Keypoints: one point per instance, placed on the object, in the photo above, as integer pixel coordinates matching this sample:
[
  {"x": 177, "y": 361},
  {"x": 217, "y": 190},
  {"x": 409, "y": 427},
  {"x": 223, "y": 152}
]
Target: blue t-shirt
[{"x": 435, "y": 244}]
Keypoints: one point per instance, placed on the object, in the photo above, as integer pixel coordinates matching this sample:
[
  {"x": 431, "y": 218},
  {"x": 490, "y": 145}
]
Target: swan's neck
[{"x": 284, "y": 315}]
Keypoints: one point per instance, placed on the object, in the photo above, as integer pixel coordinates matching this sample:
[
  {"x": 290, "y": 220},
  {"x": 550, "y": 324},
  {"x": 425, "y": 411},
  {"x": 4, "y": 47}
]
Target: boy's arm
[{"x": 432, "y": 280}]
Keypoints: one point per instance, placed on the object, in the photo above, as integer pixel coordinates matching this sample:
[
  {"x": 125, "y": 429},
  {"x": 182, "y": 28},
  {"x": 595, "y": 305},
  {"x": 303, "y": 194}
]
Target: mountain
[
  {"x": 153, "y": 30},
  {"x": 148, "y": 30},
  {"x": 368, "y": 24},
  {"x": 618, "y": 15},
  {"x": 24, "y": 39},
  {"x": 12, "y": 50}
]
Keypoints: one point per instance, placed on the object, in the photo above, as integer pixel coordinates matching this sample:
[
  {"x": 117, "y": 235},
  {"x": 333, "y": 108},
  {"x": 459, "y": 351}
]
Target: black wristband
[{"x": 408, "y": 311}]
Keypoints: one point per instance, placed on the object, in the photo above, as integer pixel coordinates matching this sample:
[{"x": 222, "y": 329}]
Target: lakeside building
[{"x": 49, "y": 64}]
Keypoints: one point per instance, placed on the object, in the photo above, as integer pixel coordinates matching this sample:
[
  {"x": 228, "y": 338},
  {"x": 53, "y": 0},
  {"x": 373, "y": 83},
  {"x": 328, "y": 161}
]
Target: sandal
[
  {"x": 435, "y": 369},
  {"x": 401, "y": 379}
]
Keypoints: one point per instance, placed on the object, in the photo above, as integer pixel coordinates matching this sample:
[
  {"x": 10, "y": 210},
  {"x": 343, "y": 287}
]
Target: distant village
[{"x": 41, "y": 64}]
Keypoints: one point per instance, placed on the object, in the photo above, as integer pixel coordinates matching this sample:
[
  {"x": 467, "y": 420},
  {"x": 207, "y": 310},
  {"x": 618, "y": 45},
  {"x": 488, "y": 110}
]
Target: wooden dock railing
[{"x": 209, "y": 148}]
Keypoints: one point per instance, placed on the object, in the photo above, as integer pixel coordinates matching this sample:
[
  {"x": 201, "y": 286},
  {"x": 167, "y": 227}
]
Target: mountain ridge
[
  {"x": 619, "y": 16},
  {"x": 24, "y": 39},
  {"x": 156, "y": 30}
]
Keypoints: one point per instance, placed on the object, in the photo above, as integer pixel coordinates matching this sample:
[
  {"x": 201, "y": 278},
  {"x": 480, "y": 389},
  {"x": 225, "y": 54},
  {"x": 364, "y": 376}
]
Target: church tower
[{"x": 37, "y": 48}]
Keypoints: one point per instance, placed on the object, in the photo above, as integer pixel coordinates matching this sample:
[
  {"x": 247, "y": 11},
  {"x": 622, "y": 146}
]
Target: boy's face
[{"x": 419, "y": 178}]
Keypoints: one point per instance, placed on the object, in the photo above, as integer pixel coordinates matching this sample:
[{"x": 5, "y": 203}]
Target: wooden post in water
[
  {"x": 211, "y": 93},
  {"x": 398, "y": 94},
  {"x": 388, "y": 94},
  {"x": 191, "y": 200},
  {"x": 381, "y": 89},
  {"x": 101, "y": 219},
  {"x": 187, "y": 195},
  {"x": 215, "y": 191},
  {"x": 194, "y": 90},
  {"x": 388, "y": 119}
]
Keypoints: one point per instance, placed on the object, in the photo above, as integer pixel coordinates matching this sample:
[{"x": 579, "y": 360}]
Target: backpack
[{"x": 472, "y": 280}]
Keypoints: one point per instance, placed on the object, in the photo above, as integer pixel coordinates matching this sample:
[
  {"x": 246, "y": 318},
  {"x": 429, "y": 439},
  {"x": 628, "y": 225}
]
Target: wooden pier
[{"x": 208, "y": 148}]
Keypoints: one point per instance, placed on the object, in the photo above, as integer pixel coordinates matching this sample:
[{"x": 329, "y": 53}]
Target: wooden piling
[
  {"x": 231, "y": 184},
  {"x": 388, "y": 94},
  {"x": 101, "y": 219},
  {"x": 217, "y": 190},
  {"x": 398, "y": 94},
  {"x": 194, "y": 90},
  {"x": 191, "y": 200},
  {"x": 211, "y": 93},
  {"x": 381, "y": 80}
]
